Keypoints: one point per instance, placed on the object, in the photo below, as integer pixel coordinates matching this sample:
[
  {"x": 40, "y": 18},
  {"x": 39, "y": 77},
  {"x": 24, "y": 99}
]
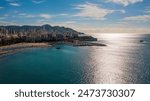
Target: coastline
[
  {"x": 46, "y": 35},
  {"x": 10, "y": 49}
]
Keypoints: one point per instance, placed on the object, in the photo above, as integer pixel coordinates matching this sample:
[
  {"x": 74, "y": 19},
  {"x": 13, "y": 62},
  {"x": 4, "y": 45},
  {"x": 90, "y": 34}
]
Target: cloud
[
  {"x": 45, "y": 16},
  {"x": 38, "y": 1},
  {"x": 22, "y": 14},
  {"x": 4, "y": 16},
  {"x": 70, "y": 22},
  {"x": 3, "y": 23},
  {"x": 63, "y": 14},
  {"x": 29, "y": 16},
  {"x": 124, "y": 2},
  {"x": 122, "y": 11},
  {"x": 147, "y": 9},
  {"x": 92, "y": 11},
  {"x": 9, "y": 0},
  {"x": 1, "y": 18},
  {"x": 138, "y": 18},
  {"x": 14, "y": 4},
  {"x": 1, "y": 7}
]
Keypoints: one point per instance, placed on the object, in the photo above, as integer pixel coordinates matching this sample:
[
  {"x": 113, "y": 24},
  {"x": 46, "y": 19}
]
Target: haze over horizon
[{"x": 92, "y": 16}]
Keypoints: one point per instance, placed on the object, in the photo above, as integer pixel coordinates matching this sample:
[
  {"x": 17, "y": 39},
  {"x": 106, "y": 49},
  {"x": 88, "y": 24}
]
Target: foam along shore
[{"x": 9, "y": 49}]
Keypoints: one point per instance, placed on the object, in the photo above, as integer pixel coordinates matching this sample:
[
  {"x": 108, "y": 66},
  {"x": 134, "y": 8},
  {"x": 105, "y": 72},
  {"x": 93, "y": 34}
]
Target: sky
[{"x": 91, "y": 16}]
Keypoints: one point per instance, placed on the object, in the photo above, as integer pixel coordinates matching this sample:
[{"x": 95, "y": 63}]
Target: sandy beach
[{"x": 9, "y": 49}]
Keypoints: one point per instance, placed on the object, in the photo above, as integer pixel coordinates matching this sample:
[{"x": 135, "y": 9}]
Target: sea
[{"x": 125, "y": 60}]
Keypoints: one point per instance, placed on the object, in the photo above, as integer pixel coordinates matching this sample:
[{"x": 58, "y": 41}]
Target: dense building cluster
[{"x": 45, "y": 33}]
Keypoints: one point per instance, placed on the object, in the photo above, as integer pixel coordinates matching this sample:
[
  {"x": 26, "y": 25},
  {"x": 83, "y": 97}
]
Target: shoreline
[{"x": 10, "y": 49}]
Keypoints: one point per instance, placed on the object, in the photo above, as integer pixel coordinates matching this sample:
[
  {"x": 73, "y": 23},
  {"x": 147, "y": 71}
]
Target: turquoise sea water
[{"x": 123, "y": 60}]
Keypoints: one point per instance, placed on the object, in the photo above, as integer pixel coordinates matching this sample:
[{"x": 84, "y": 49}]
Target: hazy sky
[{"x": 83, "y": 15}]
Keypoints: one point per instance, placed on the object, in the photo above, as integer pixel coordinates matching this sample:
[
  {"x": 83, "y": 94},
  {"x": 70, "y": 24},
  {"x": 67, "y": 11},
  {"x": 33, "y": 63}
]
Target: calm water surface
[{"x": 124, "y": 60}]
